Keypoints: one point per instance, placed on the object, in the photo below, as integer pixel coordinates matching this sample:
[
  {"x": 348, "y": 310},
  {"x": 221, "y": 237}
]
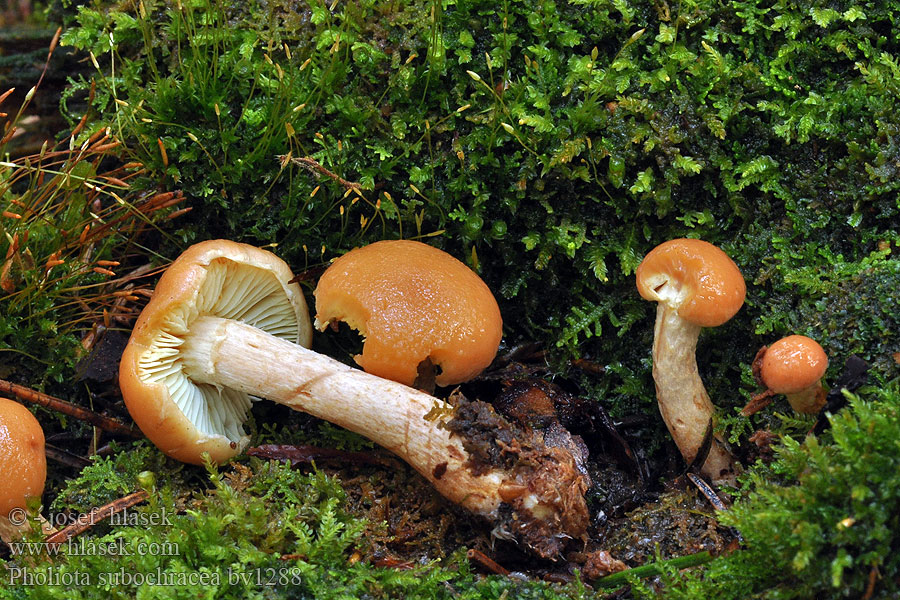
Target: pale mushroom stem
[
  {"x": 809, "y": 400},
  {"x": 399, "y": 418},
  {"x": 683, "y": 402}
]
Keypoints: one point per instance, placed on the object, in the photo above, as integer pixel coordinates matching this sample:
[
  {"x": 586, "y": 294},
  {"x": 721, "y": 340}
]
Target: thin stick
[
  {"x": 310, "y": 164},
  {"x": 873, "y": 579},
  {"x": 88, "y": 520},
  {"x": 304, "y": 454},
  {"x": 757, "y": 403},
  {"x": 707, "y": 491},
  {"x": 67, "y": 408},
  {"x": 66, "y": 458},
  {"x": 486, "y": 562}
]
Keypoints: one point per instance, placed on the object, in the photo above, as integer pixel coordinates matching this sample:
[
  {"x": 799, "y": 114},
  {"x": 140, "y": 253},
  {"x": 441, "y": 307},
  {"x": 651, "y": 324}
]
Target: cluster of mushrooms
[
  {"x": 697, "y": 285},
  {"x": 227, "y": 325}
]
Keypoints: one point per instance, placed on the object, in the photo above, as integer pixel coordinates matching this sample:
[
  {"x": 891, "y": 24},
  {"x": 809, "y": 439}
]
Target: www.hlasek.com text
[{"x": 93, "y": 547}]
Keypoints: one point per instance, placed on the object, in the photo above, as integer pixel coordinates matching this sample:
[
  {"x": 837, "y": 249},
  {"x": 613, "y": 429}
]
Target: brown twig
[
  {"x": 589, "y": 366},
  {"x": 67, "y": 408},
  {"x": 309, "y": 274},
  {"x": 313, "y": 166},
  {"x": 66, "y": 458},
  {"x": 88, "y": 520},
  {"x": 486, "y": 562},
  {"x": 757, "y": 403},
  {"x": 302, "y": 454},
  {"x": 392, "y": 562},
  {"x": 870, "y": 586}
]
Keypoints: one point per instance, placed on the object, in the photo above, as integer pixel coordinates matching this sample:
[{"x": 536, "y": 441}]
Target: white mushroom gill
[{"x": 230, "y": 290}]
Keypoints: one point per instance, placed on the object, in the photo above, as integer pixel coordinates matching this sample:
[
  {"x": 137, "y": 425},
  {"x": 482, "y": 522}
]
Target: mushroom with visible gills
[
  {"x": 185, "y": 416},
  {"x": 696, "y": 285},
  {"x": 794, "y": 366},
  {"x": 200, "y": 350},
  {"x": 412, "y": 302},
  {"x": 23, "y": 467}
]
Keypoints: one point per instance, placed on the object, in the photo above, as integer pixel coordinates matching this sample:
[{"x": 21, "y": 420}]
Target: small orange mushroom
[
  {"x": 794, "y": 366},
  {"x": 23, "y": 466},
  {"x": 696, "y": 285},
  {"x": 412, "y": 302}
]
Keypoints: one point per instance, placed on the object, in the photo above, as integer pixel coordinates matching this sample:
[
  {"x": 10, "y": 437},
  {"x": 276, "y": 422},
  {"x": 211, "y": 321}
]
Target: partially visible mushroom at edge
[
  {"x": 23, "y": 467},
  {"x": 696, "y": 285},
  {"x": 199, "y": 352}
]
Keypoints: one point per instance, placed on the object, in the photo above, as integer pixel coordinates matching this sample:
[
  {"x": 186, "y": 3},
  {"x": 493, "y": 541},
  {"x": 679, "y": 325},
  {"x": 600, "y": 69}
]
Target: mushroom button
[
  {"x": 222, "y": 327},
  {"x": 23, "y": 465},
  {"x": 412, "y": 302},
  {"x": 696, "y": 285},
  {"x": 794, "y": 366}
]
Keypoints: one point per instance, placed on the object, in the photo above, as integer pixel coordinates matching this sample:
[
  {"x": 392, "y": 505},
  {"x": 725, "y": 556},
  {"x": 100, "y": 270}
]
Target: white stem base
[{"x": 683, "y": 402}]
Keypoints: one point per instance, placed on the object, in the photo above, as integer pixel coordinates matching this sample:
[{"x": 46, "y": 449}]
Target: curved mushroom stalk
[
  {"x": 695, "y": 285},
  {"x": 810, "y": 400},
  {"x": 683, "y": 401}
]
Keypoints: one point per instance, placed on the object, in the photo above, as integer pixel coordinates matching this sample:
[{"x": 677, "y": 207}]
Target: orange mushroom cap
[
  {"x": 411, "y": 302},
  {"x": 792, "y": 364},
  {"x": 697, "y": 279},
  {"x": 23, "y": 462}
]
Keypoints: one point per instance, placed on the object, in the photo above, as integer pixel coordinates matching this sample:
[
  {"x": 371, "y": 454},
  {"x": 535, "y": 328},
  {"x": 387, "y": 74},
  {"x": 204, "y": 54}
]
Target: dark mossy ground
[{"x": 549, "y": 145}]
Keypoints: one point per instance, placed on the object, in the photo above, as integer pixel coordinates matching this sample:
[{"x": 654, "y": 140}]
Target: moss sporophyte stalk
[{"x": 549, "y": 146}]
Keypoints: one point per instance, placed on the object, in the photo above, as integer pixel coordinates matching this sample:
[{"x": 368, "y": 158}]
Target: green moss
[
  {"x": 822, "y": 520},
  {"x": 110, "y": 477},
  {"x": 564, "y": 139},
  {"x": 851, "y": 309},
  {"x": 263, "y": 531}
]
